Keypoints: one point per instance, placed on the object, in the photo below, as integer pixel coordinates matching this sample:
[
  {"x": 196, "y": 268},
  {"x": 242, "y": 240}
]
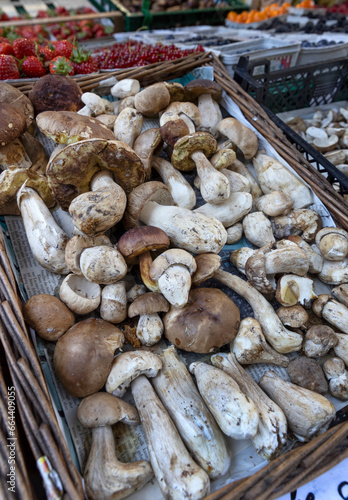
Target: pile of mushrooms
[
  {"x": 141, "y": 260},
  {"x": 328, "y": 133}
]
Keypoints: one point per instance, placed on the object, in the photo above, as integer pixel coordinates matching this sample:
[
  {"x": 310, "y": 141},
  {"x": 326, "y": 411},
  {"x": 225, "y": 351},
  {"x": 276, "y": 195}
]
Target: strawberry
[
  {"x": 83, "y": 62},
  {"x": 46, "y": 53},
  {"x": 23, "y": 47},
  {"x": 62, "y": 66},
  {"x": 33, "y": 67},
  {"x": 8, "y": 68},
  {"x": 64, "y": 48},
  {"x": 6, "y": 48}
]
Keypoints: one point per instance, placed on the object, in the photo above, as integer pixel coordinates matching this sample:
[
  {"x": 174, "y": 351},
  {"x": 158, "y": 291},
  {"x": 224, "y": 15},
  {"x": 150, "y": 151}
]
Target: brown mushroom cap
[
  {"x": 173, "y": 130},
  {"x": 142, "y": 239},
  {"x": 12, "y": 123},
  {"x": 307, "y": 373},
  {"x": 12, "y": 179},
  {"x": 152, "y": 100},
  {"x": 293, "y": 316},
  {"x": 203, "y": 86},
  {"x": 176, "y": 91},
  {"x": 103, "y": 408},
  {"x": 69, "y": 172},
  {"x": 48, "y": 315},
  {"x": 207, "y": 264},
  {"x": 83, "y": 356},
  {"x": 54, "y": 93},
  {"x": 319, "y": 340},
  {"x": 148, "y": 303},
  {"x": 184, "y": 147},
  {"x": 209, "y": 320},
  {"x": 67, "y": 127},
  {"x": 153, "y": 190},
  {"x": 11, "y": 95}
]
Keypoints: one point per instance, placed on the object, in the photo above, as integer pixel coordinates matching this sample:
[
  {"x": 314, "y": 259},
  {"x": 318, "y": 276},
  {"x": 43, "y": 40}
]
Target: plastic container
[{"x": 281, "y": 54}]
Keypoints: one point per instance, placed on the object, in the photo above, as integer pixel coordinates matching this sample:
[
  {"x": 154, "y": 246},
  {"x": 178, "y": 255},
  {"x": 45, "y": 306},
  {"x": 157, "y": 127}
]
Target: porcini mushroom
[
  {"x": 181, "y": 191},
  {"x": 146, "y": 146},
  {"x": 185, "y": 111},
  {"x": 258, "y": 229},
  {"x": 341, "y": 293},
  {"x": 128, "y": 125},
  {"x": 333, "y": 312},
  {"x": 241, "y": 136},
  {"x": 147, "y": 306},
  {"x": 94, "y": 105},
  {"x": 113, "y": 305},
  {"x": 207, "y": 92},
  {"x": 230, "y": 211},
  {"x": 308, "y": 413},
  {"x": 105, "y": 476},
  {"x": 337, "y": 376},
  {"x": 332, "y": 243},
  {"x": 152, "y": 99},
  {"x": 274, "y": 204},
  {"x": 198, "y": 429},
  {"x": 250, "y": 346},
  {"x": 234, "y": 412},
  {"x": 125, "y": 88},
  {"x": 209, "y": 320},
  {"x": 341, "y": 349},
  {"x": 128, "y": 366},
  {"x": 293, "y": 316},
  {"x": 234, "y": 233},
  {"x": 307, "y": 373},
  {"x": 191, "y": 151},
  {"x": 102, "y": 264},
  {"x": 76, "y": 245},
  {"x": 319, "y": 340},
  {"x": 83, "y": 356},
  {"x": 271, "y": 434},
  {"x": 172, "y": 270},
  {"x": 80, "y": 295},
  {"x": 178, "y": 476},
  {"x": 194, "y": 232},
  {"x": 303, "y": 221},
  {"x": 314, "y": 258},
  {"x": 334, "y": 272}
]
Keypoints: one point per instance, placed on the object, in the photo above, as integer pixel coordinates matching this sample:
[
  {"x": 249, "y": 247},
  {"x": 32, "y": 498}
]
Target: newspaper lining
[{"x": 130, "y": 442}]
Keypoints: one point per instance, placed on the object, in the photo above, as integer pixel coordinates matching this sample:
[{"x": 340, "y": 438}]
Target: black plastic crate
[{"x": 296, "y": 88}]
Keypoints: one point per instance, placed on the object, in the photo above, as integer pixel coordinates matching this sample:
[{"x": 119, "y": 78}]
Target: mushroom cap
[
  {"x": 154, "y": 191},
  {"x": 169, "y": 258},
  {"x": 207, "y": 264},
  {"x": 146, "y": 145},
  {"x": 203, "y": 86},
  {"x": 176, "y": 109},
  {"x": 36, "y": 153},
  {"x": 209, "y": 320},
  {"x": 142, "y": 239},
  {"x": 184, "y": 147},
  {"x": 173, "y": 130},
  {"x": 307, "y": 373},
  {"x": 13, "y": 123},
  {"x": 294, "y": 316},
  {"x": 12, "y": 179},
  {"x": 103, "y": 264},
  {"x": 148, "y": 303},
  {"x": 79, "y": 294},
  {"x": 76, "y": 245},
  {"x": 103, "y": 408},
  {"x": 176, "y": 91},
  {"x": 48, "y": 315},
  {"x": 55, "y": 92},
  {"x": 67, "y": 127},
  {"x": 152, "y": 99},
  {"x": 70, "y": 171},
  {"x": 83, "y": 356},
  {"x": 13, "y": 96},
  {"x": 319, "y": 340}
]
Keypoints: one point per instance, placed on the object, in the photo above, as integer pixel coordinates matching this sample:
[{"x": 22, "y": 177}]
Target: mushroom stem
[
  {"x": 215, "y": 187},
  {"x": 102, "y": 179},
  {"x": 308, "y": 413},
  {"x": 211, "y": 114},
  {"x": 107, "y": 477},
  {"x": 145, "y": 261},
  {"x": 181, "y": 191},
  {"x": 272, "y": 430},
  {"x": 177, "y": 474},
  {"x": 281, "y": 339},
  {"x": 191, "y": 231},
  {"x": 46, "y": 239},
  {"x": 175, "y": 284}
]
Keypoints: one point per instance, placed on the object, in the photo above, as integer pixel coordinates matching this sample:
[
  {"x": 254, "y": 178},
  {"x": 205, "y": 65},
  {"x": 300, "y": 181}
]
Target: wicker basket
[{"x": 43, "y": 433}]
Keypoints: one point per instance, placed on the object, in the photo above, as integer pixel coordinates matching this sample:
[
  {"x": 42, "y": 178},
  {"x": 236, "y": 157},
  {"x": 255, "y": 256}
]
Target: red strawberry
[
  {"x": 33, "y": 67},
  {"x": 64, "y": 48},
  {"x": 62, "y": 66},
  {"x": 83, "y": 62},
  {"x": 8, "y": 68},
  {"x": 23, "y": 47},
  {"x": 46, "y": 53},
  {"x": 6, "y": 48}
]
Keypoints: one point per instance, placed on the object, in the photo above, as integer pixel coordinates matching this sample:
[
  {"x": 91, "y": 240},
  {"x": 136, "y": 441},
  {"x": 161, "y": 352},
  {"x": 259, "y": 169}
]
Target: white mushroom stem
[
  {"x": 113, "y": 307},
  {"x": 191, "y": 231},
  {"x": 177, "y": 474},
  {"x": 195, "y": 423},
  {"x": 234, "y": 233},
  {"x": 102, "y": 179},
  {"x": 341, "y": 349},
  {"x": 46, "y": 239},
  {"x": 149, "y": 329},
  {"x": 272, "y": 430},
  {"x": 105, "y": 476},
  {"x": 175, "y": 284},
  {"x": 181, "y": 191},
  {"x": 235, "y": 414},
  {"x": 230, "y": 211},
  {"x": 333, "y": 272},
  {"x": 128, "y": 126},
  {"x": 250, "y": 345},
  {"x": 280, "y": 338},
  {"x": 125, "y": 88},
  {"x": 94, "y": 103},
  {"x": 258, "y": 229},
  {"x": 336, "y": 314},
  {"x": 215, "y": 187},
  {"x": 337, "y": 376},
  {"x": 211, "y": 114},
  {"x": 308, "y": 413}
]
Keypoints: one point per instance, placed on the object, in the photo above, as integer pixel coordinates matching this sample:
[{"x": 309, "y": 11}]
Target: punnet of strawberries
[{"x": 33, "y": 58}]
